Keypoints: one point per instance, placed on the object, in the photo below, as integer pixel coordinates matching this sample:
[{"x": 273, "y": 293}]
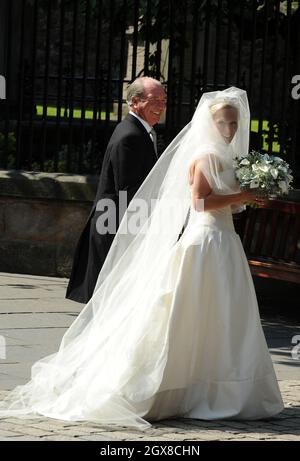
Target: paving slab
[{"x": 34, "y": 315}]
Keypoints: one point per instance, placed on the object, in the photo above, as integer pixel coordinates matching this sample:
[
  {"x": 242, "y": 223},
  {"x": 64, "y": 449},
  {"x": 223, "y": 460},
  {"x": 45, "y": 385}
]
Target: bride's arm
[{"x": 203, "y": 199}]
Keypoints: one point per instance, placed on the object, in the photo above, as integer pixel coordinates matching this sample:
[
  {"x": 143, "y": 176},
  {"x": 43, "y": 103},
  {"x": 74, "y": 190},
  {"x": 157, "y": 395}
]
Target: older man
[{"x": 129, "y": 157}]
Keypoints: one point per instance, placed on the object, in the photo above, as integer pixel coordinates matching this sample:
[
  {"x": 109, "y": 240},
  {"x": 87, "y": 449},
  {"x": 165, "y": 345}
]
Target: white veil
[{"x": 111, "y": 360}]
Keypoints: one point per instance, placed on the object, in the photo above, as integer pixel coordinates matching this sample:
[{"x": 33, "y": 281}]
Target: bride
[{"x": 173, "y": 327}]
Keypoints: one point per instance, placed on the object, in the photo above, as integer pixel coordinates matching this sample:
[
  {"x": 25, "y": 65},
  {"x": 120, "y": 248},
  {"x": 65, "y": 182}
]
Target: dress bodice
[{"x": 220, "y": 218}]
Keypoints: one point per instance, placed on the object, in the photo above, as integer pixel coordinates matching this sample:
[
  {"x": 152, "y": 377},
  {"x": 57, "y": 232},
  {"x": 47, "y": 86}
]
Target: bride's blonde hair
[
  {"x": 213, "y": 108},
  {"x": 225, "y": 104}
]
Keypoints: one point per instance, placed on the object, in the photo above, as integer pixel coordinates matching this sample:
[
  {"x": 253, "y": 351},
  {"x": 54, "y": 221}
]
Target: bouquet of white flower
[{"x": 268, "y": 175}]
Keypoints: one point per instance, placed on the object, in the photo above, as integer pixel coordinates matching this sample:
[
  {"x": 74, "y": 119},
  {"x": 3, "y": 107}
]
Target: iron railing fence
[{"x": 67, "y": 64}]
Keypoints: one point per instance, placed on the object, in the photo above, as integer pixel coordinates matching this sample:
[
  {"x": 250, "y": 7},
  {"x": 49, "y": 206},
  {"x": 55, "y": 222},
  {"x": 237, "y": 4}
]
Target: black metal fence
[{"x": 67, "y": 64}]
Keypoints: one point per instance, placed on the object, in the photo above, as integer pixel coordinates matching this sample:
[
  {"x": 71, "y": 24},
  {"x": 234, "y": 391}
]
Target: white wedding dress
[
  {"x": 218, "y": 364},
  {"x": 194, "y": 348}
]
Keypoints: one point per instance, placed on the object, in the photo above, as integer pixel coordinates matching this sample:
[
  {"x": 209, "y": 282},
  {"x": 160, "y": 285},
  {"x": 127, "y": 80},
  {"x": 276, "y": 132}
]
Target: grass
[
  {"x": 265, "y": 127},
  {"x": 89, "y": 115},
  {"x": 52, "y": 112}
]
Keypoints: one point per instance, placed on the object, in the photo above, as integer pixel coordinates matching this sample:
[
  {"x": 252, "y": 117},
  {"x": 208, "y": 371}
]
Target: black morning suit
[{"x": 128, "y": 159}]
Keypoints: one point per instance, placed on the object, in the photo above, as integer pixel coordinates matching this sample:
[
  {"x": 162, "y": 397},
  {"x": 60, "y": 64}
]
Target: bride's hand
[
  {"x": 247, "y": 196},
  {"x": 251, "y": 197}
]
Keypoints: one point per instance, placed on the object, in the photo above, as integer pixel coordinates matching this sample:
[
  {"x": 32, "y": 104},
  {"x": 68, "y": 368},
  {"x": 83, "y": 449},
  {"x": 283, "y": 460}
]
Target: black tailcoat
[{"x": 128, "y": 159}]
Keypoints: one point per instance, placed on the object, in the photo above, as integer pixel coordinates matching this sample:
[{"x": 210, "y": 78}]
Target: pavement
[{"x": 34, "y": 315}]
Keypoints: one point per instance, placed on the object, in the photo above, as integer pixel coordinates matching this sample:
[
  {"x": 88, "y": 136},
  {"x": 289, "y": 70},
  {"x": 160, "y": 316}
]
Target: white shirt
[
  {"x": 149, "y": 129},
  {"x": 143, "y": 122}
]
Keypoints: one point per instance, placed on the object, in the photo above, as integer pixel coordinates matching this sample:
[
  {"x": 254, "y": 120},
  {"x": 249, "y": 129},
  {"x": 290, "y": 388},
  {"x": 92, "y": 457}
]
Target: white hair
[{"x": 137, "y": 88}]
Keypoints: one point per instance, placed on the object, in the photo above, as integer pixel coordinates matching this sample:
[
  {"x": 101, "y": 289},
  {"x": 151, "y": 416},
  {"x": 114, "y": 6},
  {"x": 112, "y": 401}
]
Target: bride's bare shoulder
[
  {"x": 207, "y": 160},
  {"x": 205, "y": 163}
]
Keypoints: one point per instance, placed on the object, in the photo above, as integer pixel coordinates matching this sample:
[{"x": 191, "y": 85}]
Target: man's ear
[{"x": 134, "y": 101}]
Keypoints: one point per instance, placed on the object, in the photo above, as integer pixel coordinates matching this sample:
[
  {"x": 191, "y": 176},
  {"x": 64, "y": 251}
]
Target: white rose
[
  {"x": 283, "y": 186},
  {"x": 284, "y": 170},
  {"x": 274, "y": 172},
  {"x": 254, "y": 184},
  {"x": 263, "y": 168},
  {"x": 245, "y": 161}
]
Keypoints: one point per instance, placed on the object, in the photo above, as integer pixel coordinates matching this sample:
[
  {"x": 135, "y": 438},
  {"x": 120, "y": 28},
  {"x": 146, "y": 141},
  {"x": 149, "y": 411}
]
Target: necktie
[{"x": 153, "y": 136}]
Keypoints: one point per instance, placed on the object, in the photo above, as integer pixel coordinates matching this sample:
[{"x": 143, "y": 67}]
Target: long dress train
[{"x": 193, "y": 348}]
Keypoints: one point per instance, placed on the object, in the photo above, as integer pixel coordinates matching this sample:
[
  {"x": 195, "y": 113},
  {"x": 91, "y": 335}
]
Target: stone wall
[{"x": 41, "y": 218}]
